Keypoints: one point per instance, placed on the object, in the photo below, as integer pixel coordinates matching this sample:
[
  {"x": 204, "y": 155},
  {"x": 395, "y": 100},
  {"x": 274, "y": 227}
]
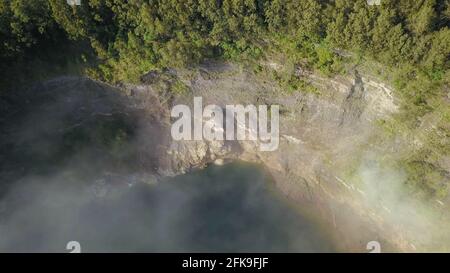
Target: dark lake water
[{"x": 231, "y": 208}]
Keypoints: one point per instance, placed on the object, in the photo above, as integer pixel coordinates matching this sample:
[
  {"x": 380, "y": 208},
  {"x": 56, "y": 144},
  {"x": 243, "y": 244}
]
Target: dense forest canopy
[
  {"x": 132, "y": 37},
  {"x": 119, "y": 40}
]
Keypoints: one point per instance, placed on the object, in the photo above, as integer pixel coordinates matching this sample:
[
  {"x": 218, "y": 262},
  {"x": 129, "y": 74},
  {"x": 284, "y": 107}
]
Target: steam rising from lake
[{"x": 230, "y": 208}]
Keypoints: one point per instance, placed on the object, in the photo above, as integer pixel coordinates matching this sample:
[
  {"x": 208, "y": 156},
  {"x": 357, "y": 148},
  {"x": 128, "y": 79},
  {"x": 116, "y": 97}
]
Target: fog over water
[{"x": 227, "y": 208}]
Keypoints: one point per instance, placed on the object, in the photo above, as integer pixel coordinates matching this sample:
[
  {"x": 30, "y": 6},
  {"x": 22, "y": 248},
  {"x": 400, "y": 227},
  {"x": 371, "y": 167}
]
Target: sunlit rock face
[
  {"x": 324, "y": 136},
  {"x": 113, "y": 138}
]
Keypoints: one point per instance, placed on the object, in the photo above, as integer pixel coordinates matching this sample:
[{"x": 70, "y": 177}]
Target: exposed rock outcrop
[{"x": 321, "y": 137}]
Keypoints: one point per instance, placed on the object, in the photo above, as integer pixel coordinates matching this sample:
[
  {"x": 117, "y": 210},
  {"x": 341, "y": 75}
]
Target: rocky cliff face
[{"x": 328, "y": 143}]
